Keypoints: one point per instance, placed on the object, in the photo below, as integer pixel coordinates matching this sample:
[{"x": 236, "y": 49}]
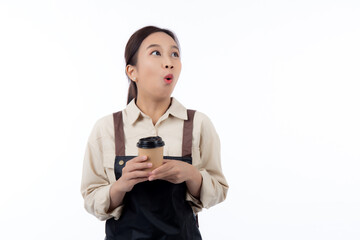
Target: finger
[
  {"x": 169, "y": 179},
  {"x": 138, "y": 180},
  {"x": 138, "y": 166},
  {"x": 128, "y": 166},
  {"x": 161, "y": 175},
  {"x": 137, "y": 174},
  {"x": 162, "y": 168},
  {"x": 138, "y": 159}
]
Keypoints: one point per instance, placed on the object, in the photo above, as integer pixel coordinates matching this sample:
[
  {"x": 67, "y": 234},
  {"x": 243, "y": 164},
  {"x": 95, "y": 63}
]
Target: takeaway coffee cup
[{"x": 153, "y": 148}]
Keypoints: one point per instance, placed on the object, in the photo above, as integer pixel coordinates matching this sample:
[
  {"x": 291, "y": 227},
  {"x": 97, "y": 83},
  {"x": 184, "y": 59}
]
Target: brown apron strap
[
  {"x": 187, "y": 142},
  {"x": 187, "y": 134},
  {"x": 119, "y": 134}
]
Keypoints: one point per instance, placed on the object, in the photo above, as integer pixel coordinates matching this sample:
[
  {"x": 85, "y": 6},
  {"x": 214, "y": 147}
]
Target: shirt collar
[{"x": 176, "y": 109}]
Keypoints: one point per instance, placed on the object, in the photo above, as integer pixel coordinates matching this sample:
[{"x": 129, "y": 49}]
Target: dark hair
[{"x": 131, "y": 52}]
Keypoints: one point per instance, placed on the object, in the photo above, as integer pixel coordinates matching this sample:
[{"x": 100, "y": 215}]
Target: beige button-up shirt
[{"x": 98, "y": 167}]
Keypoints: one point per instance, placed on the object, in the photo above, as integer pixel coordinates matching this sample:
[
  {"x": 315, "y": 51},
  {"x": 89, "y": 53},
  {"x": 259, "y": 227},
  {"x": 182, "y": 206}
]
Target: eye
[
  {"x": 155, "y": 52},
  {"x": 176, "y": 54}
]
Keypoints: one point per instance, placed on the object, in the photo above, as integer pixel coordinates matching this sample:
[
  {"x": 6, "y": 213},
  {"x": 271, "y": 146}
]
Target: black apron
[{"x": 154, "y": 209}]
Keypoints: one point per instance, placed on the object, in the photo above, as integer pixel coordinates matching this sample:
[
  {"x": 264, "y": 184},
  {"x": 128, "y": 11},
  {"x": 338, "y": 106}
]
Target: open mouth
[{"x": 168, "y": 78}]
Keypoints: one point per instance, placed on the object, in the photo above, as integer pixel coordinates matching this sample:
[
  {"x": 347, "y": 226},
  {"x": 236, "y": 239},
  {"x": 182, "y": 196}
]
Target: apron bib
[{"x": 157, "y": 209}]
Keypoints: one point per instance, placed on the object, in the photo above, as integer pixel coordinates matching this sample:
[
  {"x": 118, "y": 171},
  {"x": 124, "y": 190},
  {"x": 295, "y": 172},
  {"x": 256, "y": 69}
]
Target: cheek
[
  {"x": 177, "y": 66},
  {"x": 148, "y": 68},
  {"x": 149, "y": 75}
]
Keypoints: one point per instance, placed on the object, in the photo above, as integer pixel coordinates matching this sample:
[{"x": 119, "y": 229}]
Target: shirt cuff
[
  {"x": 195, "y": 203},
  {"x": 207, "y": 189},
  {"x": 104, "y": 204}
]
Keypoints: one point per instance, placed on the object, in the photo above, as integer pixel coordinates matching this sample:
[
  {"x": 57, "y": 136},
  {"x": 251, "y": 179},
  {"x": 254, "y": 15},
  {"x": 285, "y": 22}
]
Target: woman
[{"x": 163, "y": 203}]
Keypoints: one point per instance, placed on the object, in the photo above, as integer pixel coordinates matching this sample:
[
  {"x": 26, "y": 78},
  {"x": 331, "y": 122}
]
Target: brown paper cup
[
  {"x": 155, "y": 156},
  {"x": 153, "y": 148}
]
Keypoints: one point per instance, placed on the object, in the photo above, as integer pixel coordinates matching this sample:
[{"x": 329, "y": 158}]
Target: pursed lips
[{"x": 168, "y": 78}]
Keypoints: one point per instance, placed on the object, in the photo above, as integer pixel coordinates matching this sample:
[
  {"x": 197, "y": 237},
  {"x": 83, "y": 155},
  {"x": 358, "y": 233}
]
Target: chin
[{"x": 164, "y": 96}]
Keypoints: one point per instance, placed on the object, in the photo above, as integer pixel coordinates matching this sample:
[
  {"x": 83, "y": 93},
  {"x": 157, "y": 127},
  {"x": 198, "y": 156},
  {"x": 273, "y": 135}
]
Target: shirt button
[{"x": 121, "y": 162}]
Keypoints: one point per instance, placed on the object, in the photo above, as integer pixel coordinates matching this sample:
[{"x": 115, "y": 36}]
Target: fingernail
[
  {"x": 149, "y": 164},
  {"x": 144, "y": 157}
]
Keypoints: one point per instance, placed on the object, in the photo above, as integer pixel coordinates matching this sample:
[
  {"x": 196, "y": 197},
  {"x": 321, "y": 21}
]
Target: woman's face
[{"x": 158, "y": 56}]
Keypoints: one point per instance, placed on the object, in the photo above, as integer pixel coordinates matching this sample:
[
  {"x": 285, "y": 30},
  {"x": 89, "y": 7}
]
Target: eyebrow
[{"x": 157, "y": 45}]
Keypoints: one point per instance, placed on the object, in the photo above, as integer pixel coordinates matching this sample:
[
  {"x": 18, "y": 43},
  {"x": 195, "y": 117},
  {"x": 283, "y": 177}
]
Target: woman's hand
[
  {"x": 175, "y": 171},
  {"x": 133, "y": 173},
  {"x": 172, "y": 171}
]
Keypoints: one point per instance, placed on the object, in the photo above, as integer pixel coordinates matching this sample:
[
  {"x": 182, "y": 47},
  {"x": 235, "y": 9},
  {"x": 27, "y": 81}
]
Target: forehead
[{"x": 160, "y": 38}]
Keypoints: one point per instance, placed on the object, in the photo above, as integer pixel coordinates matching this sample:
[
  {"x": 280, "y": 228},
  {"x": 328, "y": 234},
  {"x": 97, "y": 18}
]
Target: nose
[
  {"x": 169, "y": 66},
  {"x": 168, "y": 63}
]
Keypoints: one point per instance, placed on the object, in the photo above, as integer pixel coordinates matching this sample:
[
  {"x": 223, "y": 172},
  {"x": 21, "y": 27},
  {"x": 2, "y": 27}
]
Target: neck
[{"x": 153, "y": 108}]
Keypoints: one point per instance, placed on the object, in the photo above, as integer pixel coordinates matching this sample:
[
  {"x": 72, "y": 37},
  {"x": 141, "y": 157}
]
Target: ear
[{"x": 131, "y": 72}]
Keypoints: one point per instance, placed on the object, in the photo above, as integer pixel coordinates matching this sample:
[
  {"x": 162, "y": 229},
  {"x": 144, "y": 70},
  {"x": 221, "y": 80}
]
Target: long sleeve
[
  {"x": 95, "y": 184},
  {"x": 98, "y": 168},
  {"x": 214, "y": 185}
]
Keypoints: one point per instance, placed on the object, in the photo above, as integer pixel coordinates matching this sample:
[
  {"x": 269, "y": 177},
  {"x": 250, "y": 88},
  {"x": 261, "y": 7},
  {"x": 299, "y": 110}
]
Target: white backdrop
[{"x": 279, "y": 80}]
